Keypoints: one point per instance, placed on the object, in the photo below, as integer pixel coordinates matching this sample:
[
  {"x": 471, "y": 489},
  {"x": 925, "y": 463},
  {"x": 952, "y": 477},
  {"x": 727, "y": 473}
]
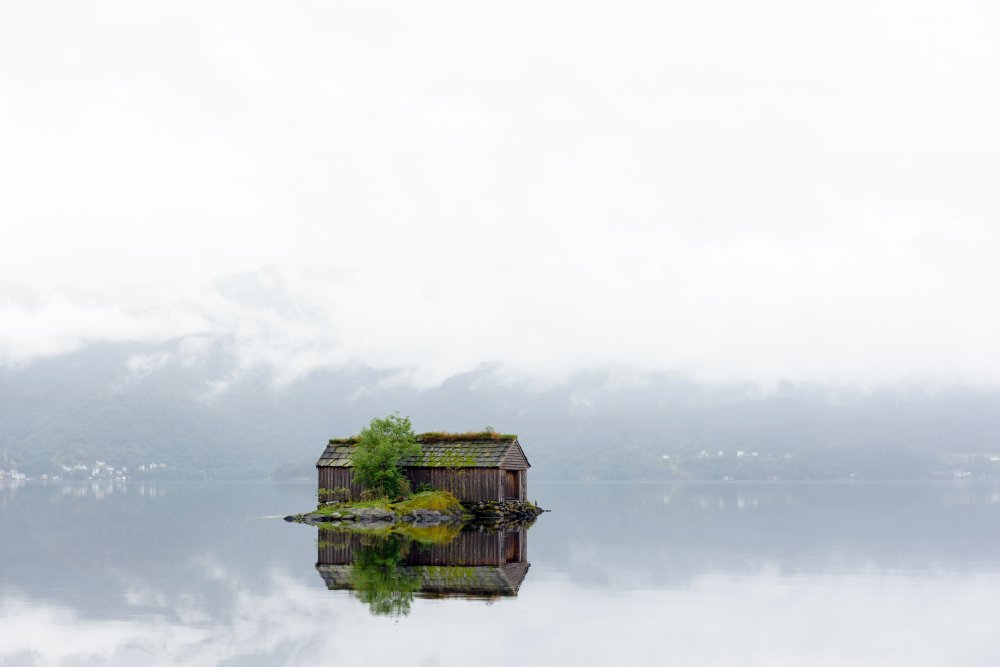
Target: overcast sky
[{"x": 746, "y": 190}]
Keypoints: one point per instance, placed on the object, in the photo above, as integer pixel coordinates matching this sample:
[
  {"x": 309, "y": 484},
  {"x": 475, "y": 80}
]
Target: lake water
[{"x": 636, "y": 574}]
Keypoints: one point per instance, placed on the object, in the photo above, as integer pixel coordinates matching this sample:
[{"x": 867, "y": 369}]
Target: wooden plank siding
[
  {"x": 467, "y": 484},
  {"x": 514, "y": 459},
  {"x": 339, "y": 478}
]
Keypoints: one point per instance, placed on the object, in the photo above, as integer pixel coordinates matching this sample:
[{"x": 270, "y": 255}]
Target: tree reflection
[
  {"x": 387, "y": 569},
  {"x": 378, "y": 577}
]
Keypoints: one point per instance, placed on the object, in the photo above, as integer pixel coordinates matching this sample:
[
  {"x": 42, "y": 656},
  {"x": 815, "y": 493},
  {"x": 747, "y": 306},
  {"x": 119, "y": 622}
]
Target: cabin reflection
[{"x": 473, "y": 565}]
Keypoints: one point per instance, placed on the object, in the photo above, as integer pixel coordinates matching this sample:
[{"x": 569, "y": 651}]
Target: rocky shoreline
[
  {"x": 493, "y": 514},
  {"x": 499, "y": 514}
]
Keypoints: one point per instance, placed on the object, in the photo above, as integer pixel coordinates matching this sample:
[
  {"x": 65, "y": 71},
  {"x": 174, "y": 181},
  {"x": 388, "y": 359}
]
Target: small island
[{"x": 387, "y": 477}]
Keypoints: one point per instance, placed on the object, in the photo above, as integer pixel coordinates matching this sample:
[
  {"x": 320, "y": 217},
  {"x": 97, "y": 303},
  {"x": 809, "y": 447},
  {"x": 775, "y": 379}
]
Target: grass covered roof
[
  {"x": 477, "y": 449},
  {"x": 442, "y": 436}
]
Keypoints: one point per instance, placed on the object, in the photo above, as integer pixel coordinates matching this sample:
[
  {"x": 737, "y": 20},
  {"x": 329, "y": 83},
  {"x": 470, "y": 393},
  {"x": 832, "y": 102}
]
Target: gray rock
[{"x": 374, "y": 515}]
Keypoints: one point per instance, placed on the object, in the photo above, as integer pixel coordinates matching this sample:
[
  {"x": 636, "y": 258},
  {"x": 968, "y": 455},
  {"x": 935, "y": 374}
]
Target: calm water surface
[{"x": 640, "y": 574}]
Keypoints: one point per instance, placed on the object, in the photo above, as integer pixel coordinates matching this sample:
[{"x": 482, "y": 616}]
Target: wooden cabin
[
  {"x": 475, "y": 467},
  {"x": 478, "y": 565}
]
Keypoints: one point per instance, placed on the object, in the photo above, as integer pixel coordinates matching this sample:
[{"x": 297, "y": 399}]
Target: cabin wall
[
  {"x": 514, "y": 459},
  {"x": 336, "y": 478},
  {"x": 466, "y": 484}
]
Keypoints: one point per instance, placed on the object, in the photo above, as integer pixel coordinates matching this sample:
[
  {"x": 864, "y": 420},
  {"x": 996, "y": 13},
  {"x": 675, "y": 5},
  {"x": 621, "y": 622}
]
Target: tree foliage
[
  {"x": 379, "y": 579},
  {"x": 378, "y": 458}
]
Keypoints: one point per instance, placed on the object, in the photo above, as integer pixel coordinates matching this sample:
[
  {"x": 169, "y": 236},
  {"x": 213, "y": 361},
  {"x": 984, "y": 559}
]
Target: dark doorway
[{"x": 511, "y": 485}]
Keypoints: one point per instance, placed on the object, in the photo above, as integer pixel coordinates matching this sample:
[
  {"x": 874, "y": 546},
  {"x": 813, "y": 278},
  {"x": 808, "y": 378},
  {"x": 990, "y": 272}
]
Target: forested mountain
[{"x": 135, "y": 404}]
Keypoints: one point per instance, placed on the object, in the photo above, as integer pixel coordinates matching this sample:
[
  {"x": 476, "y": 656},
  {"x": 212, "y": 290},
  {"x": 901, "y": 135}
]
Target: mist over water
[{"x": 700, "y": 573}]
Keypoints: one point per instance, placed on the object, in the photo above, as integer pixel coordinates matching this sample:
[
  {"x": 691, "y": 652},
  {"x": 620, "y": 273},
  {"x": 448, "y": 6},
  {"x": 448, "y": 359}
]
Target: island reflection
[{"x": 387, "y": 570}]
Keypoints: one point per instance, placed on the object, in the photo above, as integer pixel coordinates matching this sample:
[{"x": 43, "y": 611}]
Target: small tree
[{"x": 378, "y": 457}]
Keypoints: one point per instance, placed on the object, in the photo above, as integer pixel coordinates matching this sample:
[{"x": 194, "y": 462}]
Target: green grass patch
[
  {"x": 382, "y": 503},
  {"x": 441, "y": 501},
  {"x": 440, "y": 436},
  {"x": 472, "y": 436}
]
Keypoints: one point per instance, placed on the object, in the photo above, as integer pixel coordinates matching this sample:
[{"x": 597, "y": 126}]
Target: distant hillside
[{"x": 134, "y": 404}]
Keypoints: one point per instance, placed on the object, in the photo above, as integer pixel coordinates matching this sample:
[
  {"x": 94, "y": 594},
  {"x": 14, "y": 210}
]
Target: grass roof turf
[{"x": 441, "y": 436}]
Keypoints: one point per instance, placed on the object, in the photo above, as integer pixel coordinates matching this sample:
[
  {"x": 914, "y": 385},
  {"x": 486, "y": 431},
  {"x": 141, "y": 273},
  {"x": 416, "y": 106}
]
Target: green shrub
[
  {"x": 378, "y": 456},
  {"x": 340, "y": 494}
]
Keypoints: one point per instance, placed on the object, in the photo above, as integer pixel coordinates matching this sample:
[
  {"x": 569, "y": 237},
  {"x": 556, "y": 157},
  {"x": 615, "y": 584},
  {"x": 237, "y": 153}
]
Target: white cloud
[
  {"x": 737, "y": 191},
  {"x": 54, "y": 322}
]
